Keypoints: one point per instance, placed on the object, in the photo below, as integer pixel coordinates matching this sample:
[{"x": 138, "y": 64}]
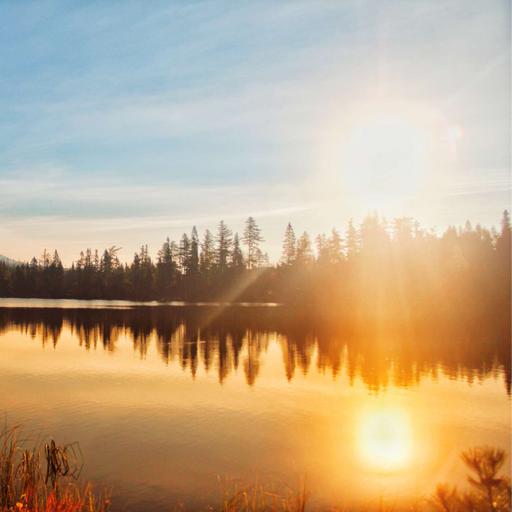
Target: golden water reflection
[
  {"x": 237, "y": 339},
  {"x": 163, "y": 402},
  {"x": 385, "y": 438}
]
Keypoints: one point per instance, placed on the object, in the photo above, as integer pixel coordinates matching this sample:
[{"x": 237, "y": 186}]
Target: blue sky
[{"x": 124, "y": 122}]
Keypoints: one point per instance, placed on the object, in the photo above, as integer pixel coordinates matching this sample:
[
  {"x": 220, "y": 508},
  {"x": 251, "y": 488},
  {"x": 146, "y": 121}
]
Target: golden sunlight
[
  {"x": 389, "y": 150},
  {"x": 385, "y": 439}
]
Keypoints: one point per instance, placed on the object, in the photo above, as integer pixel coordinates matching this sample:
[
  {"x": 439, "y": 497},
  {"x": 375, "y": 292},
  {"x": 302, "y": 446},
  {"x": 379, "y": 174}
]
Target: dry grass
[
  {"x": 258, "y": 498},
  {"x": 43, "y": 478},
  {"x": 489, "y": 492}
]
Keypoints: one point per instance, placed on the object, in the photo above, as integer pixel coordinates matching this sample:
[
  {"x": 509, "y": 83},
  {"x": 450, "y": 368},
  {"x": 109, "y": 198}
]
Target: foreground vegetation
[
  {"x": 490, "y": 491},
  {"x": 43, "y": 478},
  {"x": 46, "y": 479}
]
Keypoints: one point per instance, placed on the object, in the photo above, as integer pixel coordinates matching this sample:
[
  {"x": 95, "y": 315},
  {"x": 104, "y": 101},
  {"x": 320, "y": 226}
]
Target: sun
[
  {"x": 387, "y": 152},
  {"x": 385, "y": 439}
]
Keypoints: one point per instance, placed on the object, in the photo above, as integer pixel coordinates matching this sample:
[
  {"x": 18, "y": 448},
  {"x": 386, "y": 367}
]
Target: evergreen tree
[
  {"x": 56, "y": 275},
  {"x": 56, "y": 261},
  {"x": 304, "y": 252},
  {"x": 504, "y": 239},
  {"x": 289, "y": 246},
  {"x": 106, "y": 263},
  {"x": 224, "y": 244},
  {"x": 207, "y": 257},
  {"x": 135, "y": 276},
  {"x": 165, "y": 270},
  {"x": 352, "y": 240},
  {"x": 147, "y": 273},
  {"x": 4, "y": 280},
  {"x": 335, "y": 247},
  {"x": 88, "y": 259},
  {"x": 263, "y": 258},
  {"x": 164, "y": 255},
  {"x": 194, "y": 252},
  {"x": 322, "y": 249},
  {"x": 175, "y": 253},
  {"x": 237, "y": 258},
  {"x": 45, "y": 259},
  {"x": 252, "y": 239},
  {"x": 185, "y": 253}
]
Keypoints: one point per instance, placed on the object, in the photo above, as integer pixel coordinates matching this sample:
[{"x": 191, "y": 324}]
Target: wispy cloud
[{"x": 133, "y": 119}]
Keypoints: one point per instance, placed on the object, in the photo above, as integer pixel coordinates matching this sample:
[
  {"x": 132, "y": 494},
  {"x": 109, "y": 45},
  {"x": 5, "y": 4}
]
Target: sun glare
[
  {"x": 387, "y": 152},
  {"x": 385, "y": 439}
]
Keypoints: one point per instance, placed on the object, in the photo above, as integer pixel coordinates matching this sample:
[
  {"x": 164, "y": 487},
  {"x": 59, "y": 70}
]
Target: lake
[{"x": 176, "y": 403}]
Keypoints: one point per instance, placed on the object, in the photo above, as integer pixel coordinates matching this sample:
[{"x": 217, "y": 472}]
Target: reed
[
  {"x": 43, "y": 478},
  {"x": 258, "y": 498}
]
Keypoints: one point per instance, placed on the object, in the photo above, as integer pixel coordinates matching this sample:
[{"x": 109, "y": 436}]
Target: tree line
[{"x": 376, "y": 266}]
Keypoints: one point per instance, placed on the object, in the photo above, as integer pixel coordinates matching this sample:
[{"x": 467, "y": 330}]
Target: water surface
[{"x": 165, "y": 401}]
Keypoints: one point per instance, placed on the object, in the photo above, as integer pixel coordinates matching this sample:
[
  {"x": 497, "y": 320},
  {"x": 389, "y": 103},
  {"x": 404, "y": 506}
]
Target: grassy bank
[{"x": 46, "y": 478}]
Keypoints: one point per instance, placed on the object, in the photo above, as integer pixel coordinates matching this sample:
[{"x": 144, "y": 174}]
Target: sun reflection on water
[{"x": 385, "y": 439}]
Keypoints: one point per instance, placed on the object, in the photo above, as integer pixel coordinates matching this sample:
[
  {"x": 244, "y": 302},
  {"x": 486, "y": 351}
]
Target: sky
[{"x": 126, "y": 122}]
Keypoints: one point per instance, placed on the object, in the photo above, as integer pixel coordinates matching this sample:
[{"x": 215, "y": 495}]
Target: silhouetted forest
[
  {"x": 376, "y": 270},
  {"x": 224, "y": 340}
]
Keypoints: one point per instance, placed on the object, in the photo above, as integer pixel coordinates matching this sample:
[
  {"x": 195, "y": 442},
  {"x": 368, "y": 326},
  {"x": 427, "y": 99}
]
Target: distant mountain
[{"x": 9, "y": 261}]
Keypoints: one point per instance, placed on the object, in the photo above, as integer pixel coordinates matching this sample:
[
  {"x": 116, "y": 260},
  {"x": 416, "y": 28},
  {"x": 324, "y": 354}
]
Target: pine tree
[
  {"x": 503, "y": 250},
  {"x": 263, "y": 258},
  {"x": 322, "y": 249},
  {"x": 135, "y": 277},
  {"x": 503, "y": 243},
  {"x": 164, "y": 256},
  {"x": 56, "y": 261},
  {"x": 80, "y": 263},
  {"x": 109, "y": 260},
  {"x": 56, "y": 276},
  {"x": 88, "y": 259},
  {"x": 224, "y": 244},
  {"x": 194, "y": 252},
  {"x": 304, "y": 252},
  {"x": 175, "y": 253},
  {"x": 207, "y": 257},
  {"x": 335, "y": 247},
  {"x": 106, "y": 262},
  {"x": 251, "y": 239},
  {"x": 147, "y": 268},
  {"x": 165, "y": 270},
  {"x": 141, "y": 274},
  {"x": 237, "y": 258},
  {"x": 45, "y": 259},
  {"x": 289, "y": 248},
  {"x": 352, "y": 240},
  {"x": 184, "y": 254}
]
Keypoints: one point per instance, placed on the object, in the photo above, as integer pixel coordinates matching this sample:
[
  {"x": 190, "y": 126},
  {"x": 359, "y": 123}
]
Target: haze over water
[{"x": 165, "y": 401}]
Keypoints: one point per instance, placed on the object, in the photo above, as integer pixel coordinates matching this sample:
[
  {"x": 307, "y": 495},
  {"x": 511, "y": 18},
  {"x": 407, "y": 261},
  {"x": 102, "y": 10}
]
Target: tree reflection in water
[{"x": 235, "y": 338}]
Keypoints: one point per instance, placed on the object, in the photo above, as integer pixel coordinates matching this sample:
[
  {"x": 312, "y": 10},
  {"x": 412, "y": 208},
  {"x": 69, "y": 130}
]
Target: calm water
[{"x": 165, "y": 401}]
